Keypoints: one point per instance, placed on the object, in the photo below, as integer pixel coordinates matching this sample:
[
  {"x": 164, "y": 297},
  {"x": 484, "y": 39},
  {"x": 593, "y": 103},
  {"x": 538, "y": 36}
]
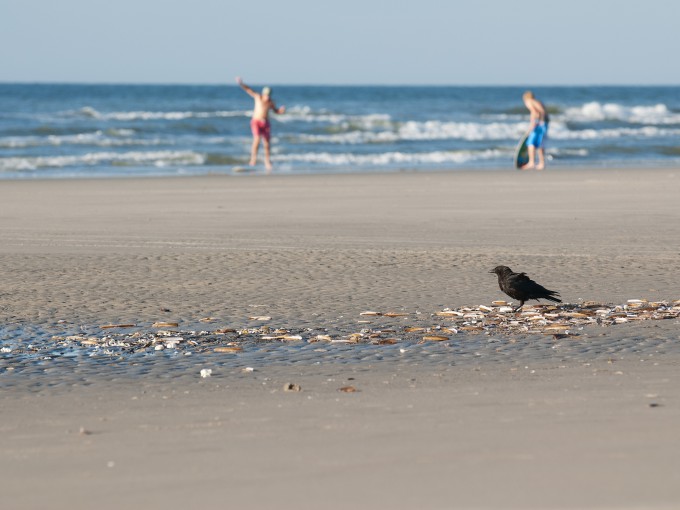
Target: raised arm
[{"x": 245, "y": 87}]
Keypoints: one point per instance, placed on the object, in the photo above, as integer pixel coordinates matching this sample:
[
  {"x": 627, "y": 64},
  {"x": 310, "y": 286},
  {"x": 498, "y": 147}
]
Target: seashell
[
  {"x": 109, "y": 326},
  {"x": 247, "y": 369},
  {"x": 159, "y": 347},
  {"x": 395, "y": 314},
  {"x": 557, "y": 327},
  {"x": 473, "y": 316},
  {"x": 636, "y": 301},
  {"x": 227, "y": 349},
  {"x": 388, "y": 341},
  {"x": 435, "y": 338},
  {"x": 324, "y": 338},
  {"x": 536, "y": 318},
  {"x": 620, "y": 320},
  {"x": 348, "y": 389},
  {"x": 207, "y": 319},
  {"x": 450, "y": 313},
  {"x": 165, "y": 325},
  {"x": 224, "y": 331},
  {"x": 291, "y": 338},
  {"x": 413, "y": 329},
  {"x": 369, "y": 313},
  {"x": 499, "y": 303},
  {"x": 88, "y": 341},
  {"x": 471, "y": 328},
  {"x": 452, "y": 331},
  {"x": 485, "y": 308},
  {"x": 506, "y": 309},
  {"x": 576, "y": 315},
  {"x": 260, "y": 318},
  {"x": 291, "y": 387},
  {"x": 592, "y": 304},
  {"x": 206, "y": 372}
]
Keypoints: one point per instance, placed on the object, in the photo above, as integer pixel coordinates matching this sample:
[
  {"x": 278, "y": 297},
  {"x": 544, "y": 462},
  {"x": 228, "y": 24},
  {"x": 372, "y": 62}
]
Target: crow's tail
[{"x": 552, "y": 296}]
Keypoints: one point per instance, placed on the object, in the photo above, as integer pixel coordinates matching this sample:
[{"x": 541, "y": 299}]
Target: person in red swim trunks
[{"x": 259, "y": 124}]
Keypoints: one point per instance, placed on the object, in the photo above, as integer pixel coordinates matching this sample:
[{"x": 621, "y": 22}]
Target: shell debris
[
  {"x": 228, "y": 349},
  {"x": 498, "y": 319},
  {"x": 435, "y": 338},
  {"x": 165, "y": 325}
]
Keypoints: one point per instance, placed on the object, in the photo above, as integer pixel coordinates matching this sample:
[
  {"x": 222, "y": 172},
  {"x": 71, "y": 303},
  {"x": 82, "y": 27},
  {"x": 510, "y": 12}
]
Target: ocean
[{"x": 65, "y": 131}]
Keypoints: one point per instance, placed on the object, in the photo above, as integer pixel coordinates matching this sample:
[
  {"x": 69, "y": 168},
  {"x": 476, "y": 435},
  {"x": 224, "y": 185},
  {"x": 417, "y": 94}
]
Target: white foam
[
  {"x": 597, "y": 112},
  {"x": 95, "y": 138},
  {"x": 156, "y": 158},
  {"x": 88, "y": 111},
  {"x": 429, "y": 130},
  {"x": 306, "y": 114},
  {"x": 559, "y": 131},
  {"x": 391, "y": 158}
]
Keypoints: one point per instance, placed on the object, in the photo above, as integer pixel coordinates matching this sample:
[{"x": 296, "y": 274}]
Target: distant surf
[{"x": 61, "y": 131}]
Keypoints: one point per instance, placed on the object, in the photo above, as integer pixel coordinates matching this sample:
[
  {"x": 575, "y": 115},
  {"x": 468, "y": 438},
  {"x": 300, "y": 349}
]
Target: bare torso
[
  {"x": 262, "y": 106},
  {"x": 537, "y": 110}
]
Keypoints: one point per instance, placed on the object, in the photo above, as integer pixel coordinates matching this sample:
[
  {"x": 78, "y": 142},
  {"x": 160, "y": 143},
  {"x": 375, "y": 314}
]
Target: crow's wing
[{"x": 525, "y": 286}]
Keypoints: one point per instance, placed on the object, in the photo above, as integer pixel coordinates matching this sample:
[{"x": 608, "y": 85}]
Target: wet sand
[{"x": 317, "y": 250}]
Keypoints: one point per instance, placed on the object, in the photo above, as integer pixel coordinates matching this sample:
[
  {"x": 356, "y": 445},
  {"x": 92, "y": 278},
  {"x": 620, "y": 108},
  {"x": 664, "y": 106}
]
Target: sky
[{"x": 421, "y": 42}]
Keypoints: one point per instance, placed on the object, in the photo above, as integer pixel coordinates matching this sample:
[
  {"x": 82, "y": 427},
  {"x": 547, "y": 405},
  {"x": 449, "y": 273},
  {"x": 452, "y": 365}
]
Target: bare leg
[
  {"x": 267, "y": 158},
  {"x": 541, "y": 159},
  {"x": 253, "y": 150},
  {"x": 532, "y": 157}
]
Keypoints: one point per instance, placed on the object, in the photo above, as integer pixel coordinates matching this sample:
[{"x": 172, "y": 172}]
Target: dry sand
[{"x": 310, "y": 250}]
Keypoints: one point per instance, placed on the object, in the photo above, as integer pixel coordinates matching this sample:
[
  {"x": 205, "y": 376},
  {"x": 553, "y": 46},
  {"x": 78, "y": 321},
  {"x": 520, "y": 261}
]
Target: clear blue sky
[{"x": 491, "y": 42}]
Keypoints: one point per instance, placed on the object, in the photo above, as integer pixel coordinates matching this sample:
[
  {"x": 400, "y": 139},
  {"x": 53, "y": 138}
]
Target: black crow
[{"x": 520, "y": 286}]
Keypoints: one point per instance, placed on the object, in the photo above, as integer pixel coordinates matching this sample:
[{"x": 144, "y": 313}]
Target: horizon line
[{"x": 274, "y": 84}]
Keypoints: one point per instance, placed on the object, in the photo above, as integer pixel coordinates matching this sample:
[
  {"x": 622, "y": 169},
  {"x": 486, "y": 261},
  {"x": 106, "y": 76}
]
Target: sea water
[{"x": 61, "y": 131}]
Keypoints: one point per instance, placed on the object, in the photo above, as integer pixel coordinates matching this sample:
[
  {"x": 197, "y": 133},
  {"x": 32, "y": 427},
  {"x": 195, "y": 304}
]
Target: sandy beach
[{"x": 594, "y": 428}]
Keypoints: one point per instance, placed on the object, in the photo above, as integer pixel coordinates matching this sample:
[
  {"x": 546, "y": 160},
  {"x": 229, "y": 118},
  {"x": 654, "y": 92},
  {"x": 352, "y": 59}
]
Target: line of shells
[{"x": 498, "y": 318}]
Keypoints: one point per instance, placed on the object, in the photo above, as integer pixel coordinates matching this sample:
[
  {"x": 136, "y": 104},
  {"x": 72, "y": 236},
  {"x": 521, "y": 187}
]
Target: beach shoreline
[{"x": 538, "y": 430}]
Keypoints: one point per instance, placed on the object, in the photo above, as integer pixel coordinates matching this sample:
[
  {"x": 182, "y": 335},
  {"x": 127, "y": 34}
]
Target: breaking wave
[{"x": 154, "y": 158}]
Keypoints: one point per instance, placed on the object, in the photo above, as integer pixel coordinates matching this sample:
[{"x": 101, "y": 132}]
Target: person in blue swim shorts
[{"x": 538, "y": 129}]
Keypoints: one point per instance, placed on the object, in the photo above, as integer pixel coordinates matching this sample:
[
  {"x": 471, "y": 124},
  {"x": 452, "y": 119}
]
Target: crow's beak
[{"x": 492, "y": 271}]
